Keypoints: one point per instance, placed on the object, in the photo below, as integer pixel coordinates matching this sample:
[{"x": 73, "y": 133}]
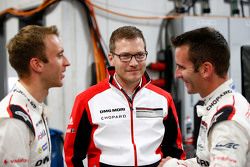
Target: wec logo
[{"x": 228, "y": 145}]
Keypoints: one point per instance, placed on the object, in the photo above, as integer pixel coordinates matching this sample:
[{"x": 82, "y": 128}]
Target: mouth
[
  {"x": 134, "y": 70},
  {"x": 62, "y": 75}
]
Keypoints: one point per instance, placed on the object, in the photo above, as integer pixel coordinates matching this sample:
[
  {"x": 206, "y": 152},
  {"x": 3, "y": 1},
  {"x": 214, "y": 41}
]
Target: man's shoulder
[
  {"x": 234, "y": 101},
  {"x": 12, "y": 98},
  {"x": 233, "y": 107},
  {"x": 13, "y": 107},
  {"x": 158, "y": 90}
]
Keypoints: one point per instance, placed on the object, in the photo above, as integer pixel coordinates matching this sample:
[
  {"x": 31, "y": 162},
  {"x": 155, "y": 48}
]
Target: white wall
[{"x": 71, "y": 21}]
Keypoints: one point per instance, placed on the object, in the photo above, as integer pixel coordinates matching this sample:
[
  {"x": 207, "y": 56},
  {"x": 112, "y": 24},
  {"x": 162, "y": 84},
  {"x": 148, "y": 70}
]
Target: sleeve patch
[
  {"x": 19, "y": 113},
  {"x": 223, "y": 114}
]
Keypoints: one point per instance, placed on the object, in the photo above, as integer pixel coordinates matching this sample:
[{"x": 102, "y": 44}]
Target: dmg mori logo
[{"x": 42, "y": 161}]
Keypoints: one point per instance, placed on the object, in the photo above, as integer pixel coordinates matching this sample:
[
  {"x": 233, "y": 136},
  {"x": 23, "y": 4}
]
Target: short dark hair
[
  {"x": 125, "y": 32},
  {"x": 26, "y": 44},
  {"x": 206, "y": 44}
]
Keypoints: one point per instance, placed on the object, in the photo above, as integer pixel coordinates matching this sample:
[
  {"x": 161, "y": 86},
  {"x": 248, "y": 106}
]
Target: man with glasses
[{"x": 124, "y": 120}]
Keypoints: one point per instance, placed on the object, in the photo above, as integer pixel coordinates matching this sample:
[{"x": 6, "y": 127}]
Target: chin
[
  {"x": 135, "y": 79},
  {"x": 191, "y": 92},
  {"x": 60, "y": 84}
]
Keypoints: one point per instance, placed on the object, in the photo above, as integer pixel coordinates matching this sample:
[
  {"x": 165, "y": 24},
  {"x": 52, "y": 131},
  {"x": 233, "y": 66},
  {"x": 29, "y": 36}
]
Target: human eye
[
  {"x": 140, "y": 55},
  {"x": 179, "y": 67},
  {"x": 125, "y": 56},
  {"x": 60, "y": 54}
]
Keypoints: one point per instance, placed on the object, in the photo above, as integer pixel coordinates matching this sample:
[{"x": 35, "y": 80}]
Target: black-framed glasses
[{"x": 127, "y": 57}]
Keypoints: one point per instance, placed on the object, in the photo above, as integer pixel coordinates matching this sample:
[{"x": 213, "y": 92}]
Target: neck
[
  {"x": 128, "y": 87},
  {"x": 35, "y": 88},
  {"x": 212, "y": 85}
]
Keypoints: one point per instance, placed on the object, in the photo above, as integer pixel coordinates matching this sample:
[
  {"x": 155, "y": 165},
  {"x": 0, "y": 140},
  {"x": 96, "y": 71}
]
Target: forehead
[
  {"x": 181, "y": 53},
  {"x": 52, "y": 42},
  {"x": 51, "y": 39},
  {"x": 129, "y": 45}
]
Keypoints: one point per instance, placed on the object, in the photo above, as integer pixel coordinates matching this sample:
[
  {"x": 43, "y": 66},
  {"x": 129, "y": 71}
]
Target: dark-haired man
[{"x": 202, "y": 61}]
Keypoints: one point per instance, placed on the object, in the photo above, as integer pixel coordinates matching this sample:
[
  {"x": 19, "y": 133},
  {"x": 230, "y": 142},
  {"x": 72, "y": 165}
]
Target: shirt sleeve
[
  {"x": 78, "y": 136},
  {"x": 15, "y": 139},
  {"x": 172, "y": 140},
  {"x": 228, "y": 144}
]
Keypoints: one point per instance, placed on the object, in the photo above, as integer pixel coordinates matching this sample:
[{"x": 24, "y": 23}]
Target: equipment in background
[
  {"x": 184, "y": 6},
  {"x": 234, "y": 7},
  {"x": 179, "y": 6},
  {"x": 242, "y": 4},
  {"x": 239, "y": 35},
  {"x": 245, "y": 71},
  {"x": 100, "y": 56},
  {"x": 164, "y": 60},
  {"x": 205, "y": 7},
  {"x": 163, "y": 65},
  {"x": 189, "y": 130}
]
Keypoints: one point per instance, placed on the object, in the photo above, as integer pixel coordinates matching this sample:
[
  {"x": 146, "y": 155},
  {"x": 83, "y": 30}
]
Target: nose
[
  {"x": 66, "y": 62},
  {"x": 177, "y": 73},
  {"x": 133, "y": 61}
]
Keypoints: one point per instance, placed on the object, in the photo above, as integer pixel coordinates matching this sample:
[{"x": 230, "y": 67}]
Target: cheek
[
  {"x": 59, "y": 63},
  {"x": 111, "y": 60},
  {"x": 187, "y": 76},
  {"x": 142, "y": 66},
  {"x": 120, "y": 67},
  {"x": 115, "y": 63}
]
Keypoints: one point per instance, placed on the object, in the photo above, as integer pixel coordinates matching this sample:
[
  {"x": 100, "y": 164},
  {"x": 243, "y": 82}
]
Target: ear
[
  {"x": 36, "y": 64},
  {"x": 111, "y": 59},
  {"x": 206, "y": 69}
]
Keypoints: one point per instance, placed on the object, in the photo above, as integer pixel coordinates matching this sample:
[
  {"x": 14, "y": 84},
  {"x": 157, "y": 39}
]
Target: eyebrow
[
  {"x": 180, "y": 65},
  {"x": 61, "y": 51}
]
